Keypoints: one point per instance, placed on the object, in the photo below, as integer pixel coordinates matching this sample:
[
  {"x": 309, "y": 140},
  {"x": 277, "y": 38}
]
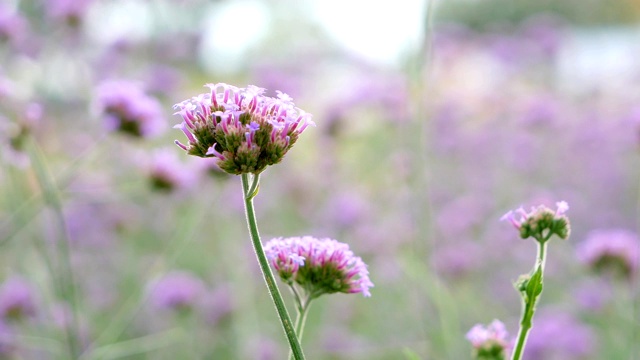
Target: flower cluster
[
  {"x": 243, "y": 129},
  {"x": 320, "y": 266},
  {"x": 614, "y": 250},
  {"x": 16, "y": 299},
  {"x": 541, "y": 222},
  {"x": 177, "y": 290},
  {"x": 128, "y": 109},
  {"x": 489, "y": 343}
]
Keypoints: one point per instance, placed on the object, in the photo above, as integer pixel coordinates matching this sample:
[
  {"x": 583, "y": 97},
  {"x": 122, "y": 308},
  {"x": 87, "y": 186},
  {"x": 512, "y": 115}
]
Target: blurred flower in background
[
  {"x": 433, "y": 117},
  {"x": 614, "y": 251}
]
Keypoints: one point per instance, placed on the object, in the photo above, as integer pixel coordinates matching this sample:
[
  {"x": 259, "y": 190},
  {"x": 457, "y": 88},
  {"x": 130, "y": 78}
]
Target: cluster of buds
[
  {"x": 243, "y": 129},
  {"x": 319, "y": 266},
  {"x": 489, "y": 343},
  {"x": 541, "y": 222}
]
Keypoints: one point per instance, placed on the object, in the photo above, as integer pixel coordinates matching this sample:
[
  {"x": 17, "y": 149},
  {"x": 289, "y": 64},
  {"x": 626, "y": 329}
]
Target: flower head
[
  {"x": 541, "y": 222},
  {"x": 128, "y": 109},
  {"x": 243, "y": 129},
  {"x": 16, "y": 299},
  {"x": 320, "y": 266},
  {"x": 177, "y": 290},
  {"x": 613, "y": 250},
  {"x": 167, "y": 173},
  {"x": 489, "y": 342}
]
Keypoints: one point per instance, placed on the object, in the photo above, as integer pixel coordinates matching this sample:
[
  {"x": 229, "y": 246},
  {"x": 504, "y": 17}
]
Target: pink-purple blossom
[
  {"x": 243, "y": 129},
  {"x": 126, "y": 108},
  {"x": 541, "y": 222},
  {"x": 16, "y": 299},
  {"x": 615, "y": 250},
  {"x": 489, "y": 342},
  {"x": 320, "y": 266},
  {"x": 176, "y": 290}
]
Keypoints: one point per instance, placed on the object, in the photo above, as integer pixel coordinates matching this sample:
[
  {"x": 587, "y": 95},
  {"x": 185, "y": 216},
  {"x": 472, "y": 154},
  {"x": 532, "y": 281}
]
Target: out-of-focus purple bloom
[
  {"x": 70, "y": 11},
  {"x": 557, "y": 335},
  {"x": 12, "y": 25},
  {"x": 216, "y": 304},
  {"x": 162, "y": 79},
  {"x": 168, "y": 173},
  {"x": 489, "y": 342},
  {"x": 13, "y": 134},
  {"x": 94, "y": 224},
  {"x": 128, "y": 109},
  {"x": 16, "y": 299},
  {"x": 346, "y": 208},
  {"x": 176, "y": 291},
  {"x": 615, "y": 250},
  {"x": 243, "y": 129},
  {"x": 320, "y": 266},
  {"x": 540, "y": 221}
]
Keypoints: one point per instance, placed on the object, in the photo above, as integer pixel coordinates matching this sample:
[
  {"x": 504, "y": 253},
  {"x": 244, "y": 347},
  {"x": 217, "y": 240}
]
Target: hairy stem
[{"x": 285, "y": 319}]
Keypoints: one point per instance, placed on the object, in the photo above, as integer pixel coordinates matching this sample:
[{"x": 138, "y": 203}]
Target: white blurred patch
[
  {"x": 376, "y": 30},
  {"x": 229, "y": 29},
  {"x": 111, "y": 21}
]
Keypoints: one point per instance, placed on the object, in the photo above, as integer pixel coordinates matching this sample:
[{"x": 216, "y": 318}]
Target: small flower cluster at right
[{"x": 319, "y": 266}]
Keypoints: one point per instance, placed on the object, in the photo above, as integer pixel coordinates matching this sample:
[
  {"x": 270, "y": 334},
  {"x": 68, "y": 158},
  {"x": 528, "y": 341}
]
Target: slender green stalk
[
  {"x": 303, "y": 310},
  {"x": 285, "y": 319},
  {"x": 530, "y": 302},
  {"x": 66, "y": 283}
]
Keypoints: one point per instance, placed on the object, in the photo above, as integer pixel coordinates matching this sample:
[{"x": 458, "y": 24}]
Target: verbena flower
[
  {"x": 243, "y": 129},
  {"x": 611, "y": 250},
  {"x": 167, "y": 173},
  {"x": 559, "y": 335},
  {"x": 177, "y": 290},
  {"x": 541, "y": 222},
  {"x": 490, "y": 342},
  {"x": 16, "y": 299},
  {"x": 128, "y": 109},
  {"x": 319, "y": 266}
]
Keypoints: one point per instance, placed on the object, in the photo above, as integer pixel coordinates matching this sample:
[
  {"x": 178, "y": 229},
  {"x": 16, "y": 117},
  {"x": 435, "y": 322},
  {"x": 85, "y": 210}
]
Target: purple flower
[
  {"x": 320, "y": 266},
  {"x": 558, "y": 335},
  {"x": 243, "y": 129},
  {"x": 614, "y": 250},
  {"x": 128, "y": 109},
  {"x": 13, "y": 26},
  {"x": 176, "y": 290},
  {"x": 489, "y": 342},
  {"x": 70, "y": 11},
  {"x": 16, "y": 299},
  {"x": 541, "y": 222},
  {"x": 168, "y": 173}
]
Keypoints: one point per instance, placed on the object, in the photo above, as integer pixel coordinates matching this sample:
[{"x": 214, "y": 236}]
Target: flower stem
[
  {"x": 303, "y": 310},
  {"x": 285, "y": 319},
  {"x": 530, "y": 303}
]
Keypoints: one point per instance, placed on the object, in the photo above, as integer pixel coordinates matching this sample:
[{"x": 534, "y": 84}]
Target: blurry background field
[{"x": 433, "y": 119}]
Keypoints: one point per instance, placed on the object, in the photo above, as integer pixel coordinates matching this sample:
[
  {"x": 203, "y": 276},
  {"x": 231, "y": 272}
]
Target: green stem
[
  {"x": 303, "y": 310},
  {"x": 529, "y": 305},
  {"x": 285, "y": 319},
  {"x": 65, "y": 278}
]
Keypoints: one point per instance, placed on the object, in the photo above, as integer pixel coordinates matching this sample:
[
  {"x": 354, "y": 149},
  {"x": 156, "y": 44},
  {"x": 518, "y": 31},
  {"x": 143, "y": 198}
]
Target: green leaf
[{"x": 534, "y": 287}]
